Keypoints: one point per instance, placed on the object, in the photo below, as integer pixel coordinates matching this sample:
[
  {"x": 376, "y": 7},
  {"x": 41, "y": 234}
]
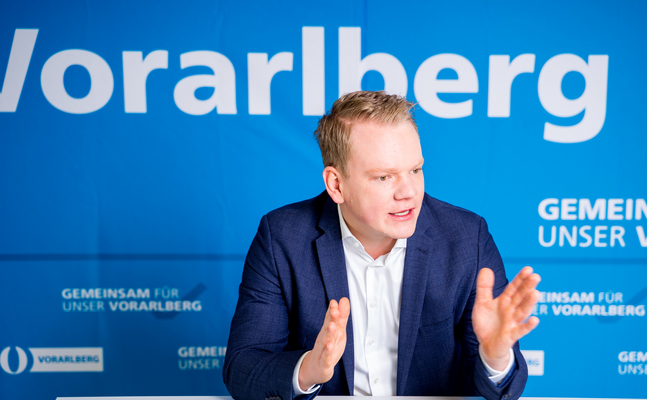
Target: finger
[
  {"x": 334, "y": 347},
  {"x": 328, "y": 344},
  {"x": 517, "y": 282},
  {"x": 329, "y": 314},
  {"x": 334, "y": 314},
  {"x": 332, "y": 335},
  {"x": 332, "y": 331},
  {"x": 484, "y": 285},
  {"x": 525, "y": 328},
  {"x": 328, "y": 333},
  {"x": 322, "y": 341},
  {"x": 334, "y": 322},
  {"x": 344, "y": 312},
  {"x": 525, "y": 308},
  {"x": 324, "y": 333},
  {"x": 528, "y": 286},
  {"x": 333, "y": 306}
]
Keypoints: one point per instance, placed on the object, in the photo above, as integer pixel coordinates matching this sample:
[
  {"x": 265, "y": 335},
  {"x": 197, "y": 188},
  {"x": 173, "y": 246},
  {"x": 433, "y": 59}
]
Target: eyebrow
[
  {"x": 381, "y": 170},
  {"x": 391, "y": 170}
]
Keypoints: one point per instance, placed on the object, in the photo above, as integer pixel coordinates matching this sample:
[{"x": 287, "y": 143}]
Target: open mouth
[{"x": 403, "y": 213}]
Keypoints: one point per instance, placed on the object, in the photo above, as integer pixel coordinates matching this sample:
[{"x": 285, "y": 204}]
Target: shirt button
[
  {"x": 373, "y": 305},
  {"x": 376, "y": 380},
  {"x": 356, "y": 245},
  {"x": 370, "y": 342}
]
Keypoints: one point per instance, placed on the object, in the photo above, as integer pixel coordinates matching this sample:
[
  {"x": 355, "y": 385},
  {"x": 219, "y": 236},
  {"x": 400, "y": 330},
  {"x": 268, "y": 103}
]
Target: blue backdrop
[{"x": 141, "y": 142}]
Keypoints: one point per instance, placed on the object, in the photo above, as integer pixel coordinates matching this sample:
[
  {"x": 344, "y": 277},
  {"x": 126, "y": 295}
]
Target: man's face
[{"x": 384, "y": 186}]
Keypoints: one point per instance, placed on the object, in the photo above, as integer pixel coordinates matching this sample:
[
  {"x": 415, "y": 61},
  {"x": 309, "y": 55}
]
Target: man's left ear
[{"x": 332, "y": 180}]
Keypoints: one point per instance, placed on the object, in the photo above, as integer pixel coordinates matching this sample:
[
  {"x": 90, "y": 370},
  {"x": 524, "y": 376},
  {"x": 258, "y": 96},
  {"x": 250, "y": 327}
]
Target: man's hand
[
  {"x": 499, "y": 323},
  {"x": 318, "y": 365}
]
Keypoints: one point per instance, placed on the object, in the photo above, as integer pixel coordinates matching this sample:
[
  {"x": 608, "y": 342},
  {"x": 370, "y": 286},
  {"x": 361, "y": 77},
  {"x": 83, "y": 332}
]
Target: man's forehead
[
  {"x": 365, "y": 131},
  {"x": 367, "y": 146}
]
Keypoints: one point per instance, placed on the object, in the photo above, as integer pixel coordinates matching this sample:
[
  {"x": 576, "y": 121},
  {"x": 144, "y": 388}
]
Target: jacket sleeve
[
  {"x": 489, "y": 257},
  {"x": 259, "y": 363}
]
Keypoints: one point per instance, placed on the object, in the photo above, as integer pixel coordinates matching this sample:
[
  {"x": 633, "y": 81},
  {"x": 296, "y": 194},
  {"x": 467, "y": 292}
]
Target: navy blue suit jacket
[{"x": 296, "y": 265}]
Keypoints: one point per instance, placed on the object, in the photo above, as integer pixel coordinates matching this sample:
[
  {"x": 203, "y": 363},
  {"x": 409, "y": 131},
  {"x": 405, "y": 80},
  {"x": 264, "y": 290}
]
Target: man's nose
[{"x": 406, "y": 188}]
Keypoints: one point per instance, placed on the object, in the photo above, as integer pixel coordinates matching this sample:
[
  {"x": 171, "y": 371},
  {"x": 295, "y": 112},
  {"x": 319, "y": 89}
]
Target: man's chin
[{"x": 403, "y": 233}]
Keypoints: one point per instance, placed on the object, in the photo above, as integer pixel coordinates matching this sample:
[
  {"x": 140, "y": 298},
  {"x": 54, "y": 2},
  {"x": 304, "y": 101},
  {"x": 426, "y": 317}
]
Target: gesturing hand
[
  {"x": 319, "y": 364},
  {"x": 499, "y": 323}
]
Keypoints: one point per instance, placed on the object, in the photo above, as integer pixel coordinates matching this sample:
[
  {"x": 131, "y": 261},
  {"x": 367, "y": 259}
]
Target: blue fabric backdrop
[{"x": 141, "y": 142}]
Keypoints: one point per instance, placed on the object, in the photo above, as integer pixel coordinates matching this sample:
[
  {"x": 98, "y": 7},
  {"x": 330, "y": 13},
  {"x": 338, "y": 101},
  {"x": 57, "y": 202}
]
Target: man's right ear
[{"x": 332, "y": 179}]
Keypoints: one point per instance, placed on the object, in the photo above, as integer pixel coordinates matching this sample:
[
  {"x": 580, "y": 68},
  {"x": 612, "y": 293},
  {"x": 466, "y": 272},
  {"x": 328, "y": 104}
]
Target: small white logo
[
  {"x": 4, "y": 360},
  {"x": 535, "y": 361},
  {"x": 55, "y": 359},
  {"x": 73, "y": 359}
]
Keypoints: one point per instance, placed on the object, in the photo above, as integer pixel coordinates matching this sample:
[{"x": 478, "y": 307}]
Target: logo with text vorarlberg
[{"x": 53, "y": 359}]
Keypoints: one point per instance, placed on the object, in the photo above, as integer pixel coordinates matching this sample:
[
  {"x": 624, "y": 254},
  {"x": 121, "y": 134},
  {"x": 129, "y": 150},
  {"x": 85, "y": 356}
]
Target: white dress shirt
[{"x": 375, "y": 289}]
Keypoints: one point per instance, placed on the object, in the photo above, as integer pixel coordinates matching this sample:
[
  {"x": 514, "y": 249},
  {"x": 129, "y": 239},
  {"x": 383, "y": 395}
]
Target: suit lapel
[
  {"x": 332, "y": 262},
  {"x": 418, "y": 261}
]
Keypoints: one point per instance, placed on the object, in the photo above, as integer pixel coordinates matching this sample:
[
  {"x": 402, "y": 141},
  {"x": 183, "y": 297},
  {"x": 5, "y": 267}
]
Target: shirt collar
[{"x": 346, "y": 233}]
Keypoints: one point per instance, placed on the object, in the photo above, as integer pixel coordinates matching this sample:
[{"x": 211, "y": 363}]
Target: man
[{"x": 374, "y": 287}]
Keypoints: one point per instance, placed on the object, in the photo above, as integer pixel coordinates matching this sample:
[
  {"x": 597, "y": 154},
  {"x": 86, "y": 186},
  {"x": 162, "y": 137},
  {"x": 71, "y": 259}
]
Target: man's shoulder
[
  {"x": 298, "y": 216},
  {"x": 448, "y": 216},
  {"x": 301, "y": 208}
]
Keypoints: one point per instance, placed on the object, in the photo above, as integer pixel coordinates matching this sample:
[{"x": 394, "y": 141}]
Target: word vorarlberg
[
  {"x": 91, "y": 300},
  {"x": 610, "y": 304},
  {"x": 586, "y": 235},
  {"x": 352, "y": 67}
]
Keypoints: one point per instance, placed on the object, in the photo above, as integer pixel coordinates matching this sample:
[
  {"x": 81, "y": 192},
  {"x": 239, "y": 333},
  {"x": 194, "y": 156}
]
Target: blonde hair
[{"x": 333, "y": 132}]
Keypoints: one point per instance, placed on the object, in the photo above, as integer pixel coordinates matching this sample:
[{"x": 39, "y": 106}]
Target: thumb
[{"x": 484, "y": 285}]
